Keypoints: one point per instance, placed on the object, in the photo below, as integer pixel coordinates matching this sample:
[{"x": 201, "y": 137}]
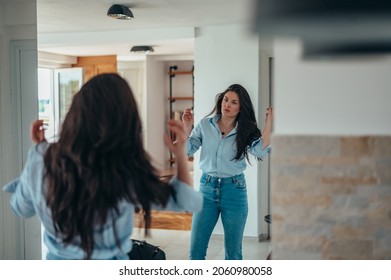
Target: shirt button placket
[
  {"x": 218, "y": 189},
  {"x": 219, "y": 160}
]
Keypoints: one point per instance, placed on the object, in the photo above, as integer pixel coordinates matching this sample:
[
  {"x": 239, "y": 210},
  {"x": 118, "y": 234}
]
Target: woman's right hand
[
  {"x": 37, "y": 132},
  {"x": 188, "y": 120},
  {"x": 177, "y": 146}
]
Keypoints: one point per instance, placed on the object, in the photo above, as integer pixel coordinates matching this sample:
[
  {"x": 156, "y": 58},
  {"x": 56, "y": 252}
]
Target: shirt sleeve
[
  {"x": 186, "y": 198},
  {"x": 256, "y": 149},
  {"x": 194, "y": 141},
  {"x": 22, "y": 199}
]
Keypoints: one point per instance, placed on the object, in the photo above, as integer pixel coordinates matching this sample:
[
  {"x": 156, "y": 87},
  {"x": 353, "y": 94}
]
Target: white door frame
[
  {"x": 264, "y": 190},
  {"x": 24, "y": 88}
]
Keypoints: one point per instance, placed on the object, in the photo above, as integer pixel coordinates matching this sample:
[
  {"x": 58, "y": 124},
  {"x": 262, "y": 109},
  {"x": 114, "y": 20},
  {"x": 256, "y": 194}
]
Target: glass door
[
  {"x": 67, "y": 82},
  {"x": 46, "y": 101}
]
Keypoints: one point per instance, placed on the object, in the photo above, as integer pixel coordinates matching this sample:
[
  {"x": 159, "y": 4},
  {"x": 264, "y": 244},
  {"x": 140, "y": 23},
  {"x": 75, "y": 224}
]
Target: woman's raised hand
[
  {"x": 268, "y": 127},
  {"x": 269, "y": 114},
  {"x": 37, "y": 132},
  {"x": 188, "y": 120},
  {"x": 177, "y": 146}
]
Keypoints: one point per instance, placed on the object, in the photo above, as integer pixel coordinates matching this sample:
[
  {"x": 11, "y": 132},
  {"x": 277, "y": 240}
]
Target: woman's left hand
[
  {"x": 37, "y": 132},
  {"x": 269, "y": 114},
  {"x": 268, "y": 127}
]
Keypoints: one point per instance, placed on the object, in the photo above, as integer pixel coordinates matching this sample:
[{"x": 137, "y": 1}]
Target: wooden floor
[{"x": 166, "y": 220}]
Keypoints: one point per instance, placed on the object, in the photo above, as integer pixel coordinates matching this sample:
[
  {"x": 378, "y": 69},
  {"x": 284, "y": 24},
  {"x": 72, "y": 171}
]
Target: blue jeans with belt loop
[{"x": 226, "y": 197}]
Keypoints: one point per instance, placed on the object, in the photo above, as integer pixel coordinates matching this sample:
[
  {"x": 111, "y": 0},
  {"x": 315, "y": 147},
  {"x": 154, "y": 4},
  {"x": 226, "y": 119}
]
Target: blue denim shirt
[
  {"x": 217, "y": 153},
  {"x": 28, "y": 199}
]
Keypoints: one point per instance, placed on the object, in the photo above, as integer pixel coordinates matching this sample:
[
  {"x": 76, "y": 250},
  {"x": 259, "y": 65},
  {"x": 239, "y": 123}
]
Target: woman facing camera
[{"x": 225, "y": 139}]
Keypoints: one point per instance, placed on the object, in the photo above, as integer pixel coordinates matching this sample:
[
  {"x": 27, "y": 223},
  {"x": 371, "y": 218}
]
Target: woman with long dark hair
[
  {"x": 225, "y": 140},
  {"x": 86, "y": 186}
]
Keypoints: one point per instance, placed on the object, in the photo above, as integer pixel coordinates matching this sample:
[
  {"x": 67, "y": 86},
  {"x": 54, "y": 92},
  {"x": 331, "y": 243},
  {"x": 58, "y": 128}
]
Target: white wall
[
  {"x": 331, "y": 97},
  {"x": 134, "y": 73},
  {"x": 154, "y": 99},
  {"x": 225, "y": 55}
]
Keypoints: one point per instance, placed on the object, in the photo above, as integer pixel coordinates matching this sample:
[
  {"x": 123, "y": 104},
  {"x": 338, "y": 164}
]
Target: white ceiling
[{"x": 81, "y": 27}]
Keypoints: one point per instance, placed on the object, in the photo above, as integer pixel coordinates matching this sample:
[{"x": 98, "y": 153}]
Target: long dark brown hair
[
  {"x": 247, "y": 128},
  {"x": 98, "y": 161}
]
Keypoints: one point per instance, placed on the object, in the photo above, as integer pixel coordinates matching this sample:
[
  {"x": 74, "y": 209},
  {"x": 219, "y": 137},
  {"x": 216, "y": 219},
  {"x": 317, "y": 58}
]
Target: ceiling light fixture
[
  {"x": 120, "y": 12},
  {"x": 142, "y": 49}
]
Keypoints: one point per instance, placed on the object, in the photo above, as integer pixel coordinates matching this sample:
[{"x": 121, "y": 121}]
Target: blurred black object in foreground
[{"x": 328, "y": 27}]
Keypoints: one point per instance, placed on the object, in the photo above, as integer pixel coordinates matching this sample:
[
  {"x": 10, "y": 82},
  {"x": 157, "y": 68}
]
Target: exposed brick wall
[{"x": 331, "y": 197}]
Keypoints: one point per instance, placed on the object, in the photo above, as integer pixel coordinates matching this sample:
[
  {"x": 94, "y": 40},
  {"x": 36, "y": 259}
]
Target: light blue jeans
[{"x": 226, "y": 197}]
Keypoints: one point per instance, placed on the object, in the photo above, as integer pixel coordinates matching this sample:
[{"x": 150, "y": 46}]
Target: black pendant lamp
[
  {"x": 142, "y": 49},
  {"x": 120, "y": 12}
]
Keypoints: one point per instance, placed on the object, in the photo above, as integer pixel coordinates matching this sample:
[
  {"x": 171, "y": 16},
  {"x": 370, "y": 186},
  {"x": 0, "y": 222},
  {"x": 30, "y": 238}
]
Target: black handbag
[{"x": 142, "y": 250}]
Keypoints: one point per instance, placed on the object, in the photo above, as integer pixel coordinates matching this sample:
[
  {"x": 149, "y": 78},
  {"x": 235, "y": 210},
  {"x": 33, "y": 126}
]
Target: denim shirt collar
[{"x": 214, "y": 120}]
